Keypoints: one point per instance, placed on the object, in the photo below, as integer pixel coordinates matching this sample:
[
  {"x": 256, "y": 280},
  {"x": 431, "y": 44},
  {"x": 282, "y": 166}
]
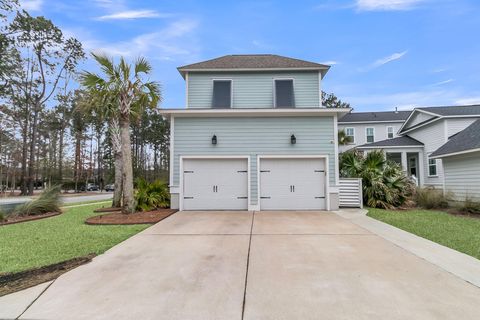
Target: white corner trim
[
  {"x": 186, "y": 90},
  {"x": 335, "y": 137}
]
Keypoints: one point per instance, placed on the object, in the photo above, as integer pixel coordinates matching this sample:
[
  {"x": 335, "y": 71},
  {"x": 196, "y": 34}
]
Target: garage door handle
[
  {"x": 187, "y": 171},
  {"x": 262, "y": 171},
  {"x": 187, "y": 197},
  {"x": 292, "y": 188},
  {"x": 319, "y": 197},
  {"x": 242, "y": 171},
  {"x": 264, "y": 197},
  {"x": 319, "y": 171},
  {"x": 242, "y": 197},
  {"x": 215, "y": 188}
]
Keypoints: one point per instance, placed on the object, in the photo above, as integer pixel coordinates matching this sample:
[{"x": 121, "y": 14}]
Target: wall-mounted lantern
[
  {"x": 214, "y": 139},
  {"x": 293, "y": 139}
]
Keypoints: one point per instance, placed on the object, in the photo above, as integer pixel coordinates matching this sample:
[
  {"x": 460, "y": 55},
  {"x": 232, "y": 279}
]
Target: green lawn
[
  {"x": 51, "y": 240},
  {"x": 456, "y": 232}
]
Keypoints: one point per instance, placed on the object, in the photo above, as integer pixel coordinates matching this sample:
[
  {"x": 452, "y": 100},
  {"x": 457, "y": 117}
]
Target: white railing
[{"x": 350, "y": 193}]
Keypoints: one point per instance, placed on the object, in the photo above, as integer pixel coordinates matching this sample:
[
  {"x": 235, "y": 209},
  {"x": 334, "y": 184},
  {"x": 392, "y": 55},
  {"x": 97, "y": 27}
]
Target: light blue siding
[
  {"x": 252, "y": 137},
  {"x": 253, "y": 90}
]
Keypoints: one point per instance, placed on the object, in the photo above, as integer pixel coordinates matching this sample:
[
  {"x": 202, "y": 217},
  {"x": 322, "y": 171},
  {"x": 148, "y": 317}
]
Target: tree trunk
[
  {"x": 127, "y": 168},
  {"x": 33, "y": 142},
  {"x": 117, "y": 193},
  {"x": 60, "y": 156},
  {"x": 23, "y": 181}
]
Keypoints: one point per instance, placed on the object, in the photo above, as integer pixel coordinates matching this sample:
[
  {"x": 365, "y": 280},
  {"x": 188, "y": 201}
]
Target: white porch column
[
  {"x": 421, "y": 166},
  {"x": 404, "y": 161}
]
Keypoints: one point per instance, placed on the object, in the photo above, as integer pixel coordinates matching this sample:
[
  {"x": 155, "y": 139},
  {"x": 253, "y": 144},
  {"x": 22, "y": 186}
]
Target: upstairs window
[
  {"x": 390, "y": 132},
  {"x": 432, "y": 167},
  {"x": 350, "y": 133},
  {"x": 370, "y": 133},
  {"x": 284, "y": 93},
  {"x": 222, "y": 94}
]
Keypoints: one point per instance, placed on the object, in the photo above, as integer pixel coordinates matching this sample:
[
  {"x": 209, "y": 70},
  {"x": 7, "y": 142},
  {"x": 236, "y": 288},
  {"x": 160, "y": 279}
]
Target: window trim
[
  {"x": 353, "y": 129},
  {"x": 429, "y": 165},
  {"x": 231, "y": 91},
  {"x": 393, "y": 132},
  {"x": 366, "y": 134},
  {"x": 275, "y": 92}
]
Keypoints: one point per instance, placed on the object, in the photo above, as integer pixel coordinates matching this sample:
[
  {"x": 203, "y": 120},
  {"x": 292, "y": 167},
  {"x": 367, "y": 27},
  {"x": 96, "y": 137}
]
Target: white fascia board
[
  {"x": 420, "y": 126},
  {"x": 260, "y": 112},
  {"x": 389, "y": 147},
  {"x": 370, "y": 122},
  {"x": 455, "y": 153}
]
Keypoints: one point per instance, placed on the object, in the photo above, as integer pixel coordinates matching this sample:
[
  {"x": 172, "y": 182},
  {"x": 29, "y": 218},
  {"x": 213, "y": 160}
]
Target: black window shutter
[
  {"x": 284, "y": 94},
  {"x": 222, "y": 94}
]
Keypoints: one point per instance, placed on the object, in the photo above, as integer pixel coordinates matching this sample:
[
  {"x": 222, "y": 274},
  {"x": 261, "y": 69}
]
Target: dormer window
[
  {"x": 284, "y": 93},
  {"x": 222, "y": 94}
]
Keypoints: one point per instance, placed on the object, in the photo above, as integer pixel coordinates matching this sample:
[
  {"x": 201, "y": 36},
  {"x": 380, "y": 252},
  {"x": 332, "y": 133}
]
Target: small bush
[
  {"x": 469, "y": 206},
  {"x": 430, "y": 198},
  {"x": 48, "y": 201},
  {"x": 151, "y": 196},
  {"x": 2, "y": 216}
]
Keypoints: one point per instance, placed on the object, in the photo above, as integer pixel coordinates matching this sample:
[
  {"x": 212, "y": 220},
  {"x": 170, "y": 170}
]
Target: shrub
[
  {"x": 385, "y": 185},
  {"x": 2, "y": 216},
  {"x": 151, "y": 196},
  {"x": 470, "y": 206},
  {"x": 48, "y": 201},
  {"x": 431, "y": 198}
]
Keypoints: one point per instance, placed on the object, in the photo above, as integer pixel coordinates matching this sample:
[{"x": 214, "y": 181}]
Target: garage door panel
[
  {"x": 215, "y": 184},
  {"x": 292, "y": 184}
]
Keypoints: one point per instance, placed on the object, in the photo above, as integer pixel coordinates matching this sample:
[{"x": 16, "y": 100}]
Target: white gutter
[
  {"x": 455, "y": 153},
  {"x": 259, "y": 112}
]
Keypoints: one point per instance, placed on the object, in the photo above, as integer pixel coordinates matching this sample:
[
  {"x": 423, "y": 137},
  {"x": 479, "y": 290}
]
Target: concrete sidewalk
[{"x": 258, "y": 265}]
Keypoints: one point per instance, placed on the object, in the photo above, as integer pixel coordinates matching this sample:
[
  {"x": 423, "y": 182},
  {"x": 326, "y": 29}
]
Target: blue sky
[{"x": 384, "y": 53}]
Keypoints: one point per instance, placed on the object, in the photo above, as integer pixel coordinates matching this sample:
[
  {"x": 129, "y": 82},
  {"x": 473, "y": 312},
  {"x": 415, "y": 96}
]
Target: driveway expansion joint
[{"x": 246, "y": 269}]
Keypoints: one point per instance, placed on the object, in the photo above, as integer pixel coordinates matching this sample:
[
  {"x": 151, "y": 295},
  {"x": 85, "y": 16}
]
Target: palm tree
[
  {"x": 384, "y": 183},
  {"x": 343, "y": 139},
  {"x": 124, "y": 88}
]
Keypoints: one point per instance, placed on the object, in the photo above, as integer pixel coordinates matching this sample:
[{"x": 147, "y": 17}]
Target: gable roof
[
  {"x": 437, "y": 113},
  {"x": 465, "y": 141},
  {"x": 246, "y": 62},
  {"x": 382, "y": 116},
  {"x": 404, "y": 141},
  {"x": 454, "y": 110}
]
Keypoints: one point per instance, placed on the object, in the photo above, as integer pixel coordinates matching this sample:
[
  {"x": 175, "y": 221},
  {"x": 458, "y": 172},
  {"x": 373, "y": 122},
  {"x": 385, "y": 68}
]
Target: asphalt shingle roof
[
  {"x": 375, "y": 116},
  {"x": 253, "y": 61},
  {"x": 465, "y": 140},
  {"x": 454, "y": 110},
  {"x": 403, "y": 141}
]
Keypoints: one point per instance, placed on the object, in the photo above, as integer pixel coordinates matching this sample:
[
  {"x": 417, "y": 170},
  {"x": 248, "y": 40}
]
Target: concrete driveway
[{"x": 262, "y": 265}]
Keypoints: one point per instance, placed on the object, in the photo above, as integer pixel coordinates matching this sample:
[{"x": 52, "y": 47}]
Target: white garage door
[
  {"x": 215, "y": 184},
  {"x": 292, "y": 184}
]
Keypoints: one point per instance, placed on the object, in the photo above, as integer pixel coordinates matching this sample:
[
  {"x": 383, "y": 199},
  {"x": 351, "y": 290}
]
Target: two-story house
[
  {"x": 369, "y": 127},
  {"x": 424, "y": 131},
  {"x": 254, "y": 136}
]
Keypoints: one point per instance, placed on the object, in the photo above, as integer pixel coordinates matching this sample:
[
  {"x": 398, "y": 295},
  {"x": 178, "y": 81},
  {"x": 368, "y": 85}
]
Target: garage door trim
[
  {"x": 192, "y": 157},
  {"x": 327, "y": 174}
]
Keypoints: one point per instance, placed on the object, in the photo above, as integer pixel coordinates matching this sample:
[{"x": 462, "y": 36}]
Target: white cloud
[
  {"x": 443, "y": 82},
  {"x": 173, "y": 42},
  {"x": 380, "y": 62},
  {"x": 132, "y": 14},
  {"x": 330, "y": 62},
  {"x": 386, "y": 5},
  {"x": 466, "y": 101},
  {"x": 31, "y": 5}
]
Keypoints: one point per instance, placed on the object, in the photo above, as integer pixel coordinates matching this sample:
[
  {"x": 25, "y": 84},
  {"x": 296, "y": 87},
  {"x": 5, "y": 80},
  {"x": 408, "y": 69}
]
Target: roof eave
[
  {"x": 183, "y": 70},
  {"x": 444, "y": 155}
]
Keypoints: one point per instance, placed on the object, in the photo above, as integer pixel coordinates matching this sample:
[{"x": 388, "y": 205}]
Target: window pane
[
  {"x": 284, "y": 94},
  {"x": 222, "y": 94},
  {"x": 370, "y": 135},
  {"x": 390, "y": 132},
  {"x": 432, "y": 167}
]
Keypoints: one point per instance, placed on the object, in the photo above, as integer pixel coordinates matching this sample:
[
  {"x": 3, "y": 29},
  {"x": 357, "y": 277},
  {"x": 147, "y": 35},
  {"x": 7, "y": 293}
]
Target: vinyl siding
[
  {"x": 462, "y": 176},
  {"x": 417, "y": 118},
  {"x": 253, "y": 90},
  {"x": 361, "y": 136},
  {"x": 433, "y": 137},
  {"x": 454, "y": 126},
  {"x": 252, "y": 137}
]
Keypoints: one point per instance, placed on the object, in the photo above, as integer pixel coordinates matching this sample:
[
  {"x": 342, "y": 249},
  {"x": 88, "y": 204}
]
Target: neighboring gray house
[
  {"x": 254, "y": 136},
  {"x": 369, "y": 127},
  {"x": 422, "y": 133},
  {"x": 461, "y": 163}
]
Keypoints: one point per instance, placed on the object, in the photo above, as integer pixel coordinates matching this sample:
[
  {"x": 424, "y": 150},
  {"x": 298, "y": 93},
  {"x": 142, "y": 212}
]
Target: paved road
[
  {"x": 10, "y": 202},
  {"x": 257, "y": 265}
]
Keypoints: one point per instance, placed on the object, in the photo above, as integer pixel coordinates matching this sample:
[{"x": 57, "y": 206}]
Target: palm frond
[{"x": 142, "y": 66}]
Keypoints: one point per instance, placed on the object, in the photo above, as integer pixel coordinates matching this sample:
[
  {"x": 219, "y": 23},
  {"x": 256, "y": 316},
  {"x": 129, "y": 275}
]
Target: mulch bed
[
  {"x": 12, "y": 282},
  {"x": 149, "y": 217},
  {"x": 18, "y": 219}
]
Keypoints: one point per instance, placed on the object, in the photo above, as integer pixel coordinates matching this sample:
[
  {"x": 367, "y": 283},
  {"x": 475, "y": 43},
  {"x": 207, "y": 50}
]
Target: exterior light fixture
[
  {"x": 214, "y": 139},
  {"x": 293, "y": 139}
]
